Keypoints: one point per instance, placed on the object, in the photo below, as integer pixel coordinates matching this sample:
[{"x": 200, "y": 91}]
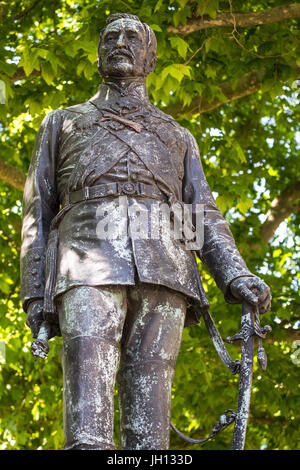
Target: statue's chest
[{"x": 158, "y": 144}]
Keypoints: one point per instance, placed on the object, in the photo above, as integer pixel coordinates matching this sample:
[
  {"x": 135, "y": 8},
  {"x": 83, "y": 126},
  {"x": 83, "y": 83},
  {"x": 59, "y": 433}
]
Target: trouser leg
[
  {"x": 149, "y": 348},
  {"x": 91, "y": 322}
]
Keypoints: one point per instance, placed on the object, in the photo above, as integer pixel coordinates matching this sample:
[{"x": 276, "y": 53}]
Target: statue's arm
[
  {"x": 40, "y": 205},
  {"x": 219, "y": 252}
]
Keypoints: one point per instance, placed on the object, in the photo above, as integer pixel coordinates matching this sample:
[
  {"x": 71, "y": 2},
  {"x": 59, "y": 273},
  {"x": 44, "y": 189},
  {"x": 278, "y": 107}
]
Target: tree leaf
[
  {"x": 181, "y": 45},
  {"x": 47, "y": 72}
]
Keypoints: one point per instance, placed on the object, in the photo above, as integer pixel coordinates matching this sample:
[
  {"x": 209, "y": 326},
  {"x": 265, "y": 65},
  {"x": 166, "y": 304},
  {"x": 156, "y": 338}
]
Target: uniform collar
[{"x": 125, "y": 97}]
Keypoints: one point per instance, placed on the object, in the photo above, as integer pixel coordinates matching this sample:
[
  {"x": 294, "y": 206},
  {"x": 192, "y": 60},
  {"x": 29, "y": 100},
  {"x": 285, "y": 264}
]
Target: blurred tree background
[{"x": 228, "y": 71}]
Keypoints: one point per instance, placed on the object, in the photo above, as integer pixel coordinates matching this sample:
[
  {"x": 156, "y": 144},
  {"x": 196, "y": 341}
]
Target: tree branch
[
  {"x": 242, "y": 20},
  {"x": 246, "y": 86},
  {"x": 21, "y": 75},
  {"x": 25, "y": 12},
  {"x": 291, "y": 335},
  {"x": 269, "y": 420},
  {"x": 287, "y": 203},
  {"x": 12, "y": 175}
]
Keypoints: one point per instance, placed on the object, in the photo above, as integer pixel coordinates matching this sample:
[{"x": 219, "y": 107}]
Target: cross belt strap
[{"x": 114, "y": 189}]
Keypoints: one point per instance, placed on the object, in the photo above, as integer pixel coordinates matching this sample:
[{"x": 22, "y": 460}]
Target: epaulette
[
  {"x": 84, "y": 115},
  {"x": 158, "y": 113},
  {"x": 82, "y": 108}
]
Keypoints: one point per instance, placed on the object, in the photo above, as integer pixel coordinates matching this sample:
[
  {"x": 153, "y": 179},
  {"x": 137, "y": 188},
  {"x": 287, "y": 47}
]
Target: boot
[
  {"x": 144, "y": 392},
  {"x": 89, "y": 370}
]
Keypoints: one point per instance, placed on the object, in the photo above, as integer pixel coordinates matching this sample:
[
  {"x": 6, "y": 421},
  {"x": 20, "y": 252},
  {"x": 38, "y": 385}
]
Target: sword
[{"x": 249, "y": 329}]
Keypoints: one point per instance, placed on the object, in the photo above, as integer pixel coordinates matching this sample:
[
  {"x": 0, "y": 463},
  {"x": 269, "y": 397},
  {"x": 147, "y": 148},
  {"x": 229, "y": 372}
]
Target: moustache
[{"x": 120, "y": 52}]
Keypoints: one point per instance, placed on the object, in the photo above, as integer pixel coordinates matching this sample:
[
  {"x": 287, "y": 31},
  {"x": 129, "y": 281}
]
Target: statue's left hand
[{"x": 254, "y": 291}]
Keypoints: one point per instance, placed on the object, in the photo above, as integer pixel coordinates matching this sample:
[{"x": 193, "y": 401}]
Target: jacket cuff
[
  {"x": 32, "y": 275},
  {"x": 226, "y": 264}
]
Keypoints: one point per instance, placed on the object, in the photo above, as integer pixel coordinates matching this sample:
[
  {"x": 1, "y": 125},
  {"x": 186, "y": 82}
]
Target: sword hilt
[
  {"x": 40, "y": 346},
  {"x": 255, "y": 330}
]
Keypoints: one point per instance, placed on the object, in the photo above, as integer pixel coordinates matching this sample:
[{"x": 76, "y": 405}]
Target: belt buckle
[{"x": 129, "y": 188}]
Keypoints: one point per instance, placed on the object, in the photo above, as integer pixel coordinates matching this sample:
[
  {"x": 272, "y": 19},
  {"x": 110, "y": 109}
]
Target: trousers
[{"x": 128, "y": 333}]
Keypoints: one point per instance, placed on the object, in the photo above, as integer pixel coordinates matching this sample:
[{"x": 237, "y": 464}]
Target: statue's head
[{"x": 127, "y": 47}]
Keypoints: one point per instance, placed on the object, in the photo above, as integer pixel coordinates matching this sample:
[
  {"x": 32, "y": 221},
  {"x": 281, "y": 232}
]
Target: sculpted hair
[{"x": 150, "y": 40}]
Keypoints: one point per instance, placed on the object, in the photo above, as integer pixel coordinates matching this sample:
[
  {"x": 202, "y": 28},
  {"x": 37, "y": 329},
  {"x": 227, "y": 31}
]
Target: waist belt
[
  {"x": 114, "y": 189},
  {"x": 84, "y": 194}
]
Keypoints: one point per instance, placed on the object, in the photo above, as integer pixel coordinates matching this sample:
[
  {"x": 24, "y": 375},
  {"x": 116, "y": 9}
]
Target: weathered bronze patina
[{"x": 137, "y": 292}]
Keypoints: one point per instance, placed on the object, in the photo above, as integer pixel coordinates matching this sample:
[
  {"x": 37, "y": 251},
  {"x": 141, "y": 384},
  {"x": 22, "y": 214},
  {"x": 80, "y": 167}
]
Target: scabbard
[
  {"x": 246, "y": 370},
  {"x": 49, "y": 309},
  {"x": 50, "y": 276},
  {"x": 233, "y": 366}
]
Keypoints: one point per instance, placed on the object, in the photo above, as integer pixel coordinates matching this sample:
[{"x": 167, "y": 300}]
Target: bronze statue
[{"x": 101, "y": 292}]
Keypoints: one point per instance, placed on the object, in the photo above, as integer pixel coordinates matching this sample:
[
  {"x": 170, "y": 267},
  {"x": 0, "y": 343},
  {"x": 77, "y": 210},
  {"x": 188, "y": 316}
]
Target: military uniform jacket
[{"x": 80, "y": 147}]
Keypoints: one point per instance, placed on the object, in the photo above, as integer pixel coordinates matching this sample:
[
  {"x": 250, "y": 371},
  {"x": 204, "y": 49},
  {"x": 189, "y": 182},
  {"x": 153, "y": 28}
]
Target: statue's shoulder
[
  {"x": 81, "y": 108},
  {"x": 164, "y": 117},
  {"x": 80, "y": 115},
  {"x": 160, "y": 117},
  {"x": 159, "y": 114}
]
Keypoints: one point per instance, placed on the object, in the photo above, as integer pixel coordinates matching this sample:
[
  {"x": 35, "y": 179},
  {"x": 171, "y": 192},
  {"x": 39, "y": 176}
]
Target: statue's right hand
[{"x": 35, "y": 316}]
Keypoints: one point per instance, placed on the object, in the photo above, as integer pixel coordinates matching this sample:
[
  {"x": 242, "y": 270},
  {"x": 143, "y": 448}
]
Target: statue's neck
[
  {"x": 114, "y": 89},
  {"x": 126, "y": 83}
]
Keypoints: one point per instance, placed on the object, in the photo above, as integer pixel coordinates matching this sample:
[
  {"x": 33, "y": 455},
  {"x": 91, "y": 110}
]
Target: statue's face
[{"x": 123, "y": 49}]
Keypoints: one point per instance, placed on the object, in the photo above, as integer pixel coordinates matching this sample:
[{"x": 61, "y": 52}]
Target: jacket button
[
  {"x": 37, "y": 285},
  {"x": 37, "y": 258},
  {"x": 34, "y": 272}
]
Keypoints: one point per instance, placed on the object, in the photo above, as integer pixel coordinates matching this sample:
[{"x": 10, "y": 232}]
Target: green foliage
[{"x": 250, "y": 154}]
